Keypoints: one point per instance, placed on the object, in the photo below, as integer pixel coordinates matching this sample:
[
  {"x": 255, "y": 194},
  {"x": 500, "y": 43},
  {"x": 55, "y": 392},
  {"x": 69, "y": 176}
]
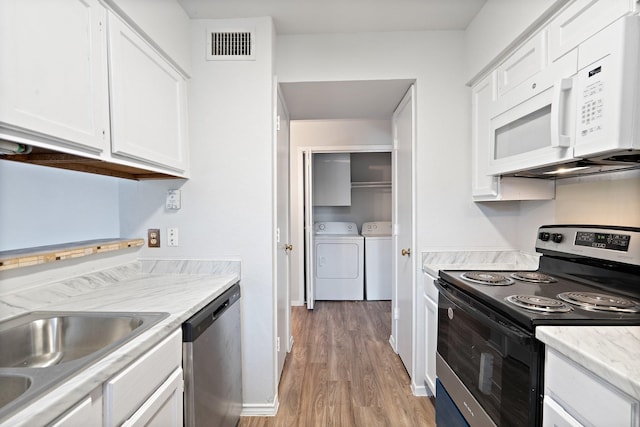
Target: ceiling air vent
[{"x": 230, "y": 45}]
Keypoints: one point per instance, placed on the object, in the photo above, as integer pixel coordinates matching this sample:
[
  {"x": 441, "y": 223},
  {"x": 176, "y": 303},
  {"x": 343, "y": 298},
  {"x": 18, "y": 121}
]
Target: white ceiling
[
  {"x": 343, "y": 100},
  {"x": 364, "y": 99},
  {"x": 343, "y": 16}
]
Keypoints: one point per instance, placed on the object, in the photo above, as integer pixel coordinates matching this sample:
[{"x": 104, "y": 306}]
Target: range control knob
[
  {"x": 556, "y": 237},
  {"x": 544, "y": 236}
]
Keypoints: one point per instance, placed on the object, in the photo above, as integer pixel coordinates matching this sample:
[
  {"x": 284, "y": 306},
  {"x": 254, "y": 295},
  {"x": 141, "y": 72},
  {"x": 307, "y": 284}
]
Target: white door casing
[
  {"x": 283, "y": 248},
  {"x": 308, "y": 229},
  {"x": 403, "y": 235}
]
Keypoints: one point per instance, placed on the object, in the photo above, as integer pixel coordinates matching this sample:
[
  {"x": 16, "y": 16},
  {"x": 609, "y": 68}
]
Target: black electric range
[
  {"x": 489, "y": 364},
  {"x": 575, "y": 284}
]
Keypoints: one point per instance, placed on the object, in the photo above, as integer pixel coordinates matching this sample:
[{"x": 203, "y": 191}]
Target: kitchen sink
[
  {"x": 12, "y": 387},
  {"x": 37, "y": 340},
  {"x": 39, "y": 350}
]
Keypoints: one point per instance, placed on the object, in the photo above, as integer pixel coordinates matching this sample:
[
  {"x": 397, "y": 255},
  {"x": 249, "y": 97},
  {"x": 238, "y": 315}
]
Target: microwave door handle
[{"x": 558, "y": 113}]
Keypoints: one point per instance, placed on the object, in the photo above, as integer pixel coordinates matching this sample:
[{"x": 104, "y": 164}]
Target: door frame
[{"x": 298, "y": 232}]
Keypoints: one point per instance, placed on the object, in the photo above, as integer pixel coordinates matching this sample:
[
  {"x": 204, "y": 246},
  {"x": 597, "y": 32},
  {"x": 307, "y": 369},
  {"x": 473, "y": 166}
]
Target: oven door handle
[{"x": 509, "y": 330}]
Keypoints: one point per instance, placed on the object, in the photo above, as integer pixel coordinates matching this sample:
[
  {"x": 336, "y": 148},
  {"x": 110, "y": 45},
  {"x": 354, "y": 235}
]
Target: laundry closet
[
  {"x": 350, "y": 247},
  {"x": 341, "y": 179}
]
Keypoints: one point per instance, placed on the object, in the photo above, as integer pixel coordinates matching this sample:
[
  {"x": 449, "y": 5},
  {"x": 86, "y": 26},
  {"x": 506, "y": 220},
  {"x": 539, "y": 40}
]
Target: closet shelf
[
  {"x": 371, "y": 184},
  {"x": 46, "y": 254}
]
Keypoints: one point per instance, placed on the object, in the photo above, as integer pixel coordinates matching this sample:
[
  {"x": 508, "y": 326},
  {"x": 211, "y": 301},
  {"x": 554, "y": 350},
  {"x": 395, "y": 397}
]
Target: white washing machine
[
  {"x": 377, "y": 260},
  {"x": 339, "y": 261}
]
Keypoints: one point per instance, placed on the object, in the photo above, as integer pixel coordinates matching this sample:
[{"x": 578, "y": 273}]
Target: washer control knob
[
  {"x": 556, "y": 237},
  {"x": 321, "y": 226},
  {"x": 544, "y": 236}
]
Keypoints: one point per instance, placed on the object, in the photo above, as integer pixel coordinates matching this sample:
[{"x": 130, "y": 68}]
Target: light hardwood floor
[{"x": 343, "y": 372}]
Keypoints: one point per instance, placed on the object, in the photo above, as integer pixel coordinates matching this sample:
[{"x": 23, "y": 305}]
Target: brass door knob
[
  {"x": 288, "y": 247},
  {"x": 406, "y": 252}
]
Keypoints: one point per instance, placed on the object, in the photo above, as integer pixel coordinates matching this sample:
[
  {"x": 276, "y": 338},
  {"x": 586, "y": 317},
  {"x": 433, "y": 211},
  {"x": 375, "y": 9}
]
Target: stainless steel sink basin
[
  {"x": 12, "y": 387},
  {"x": 39, "y": 350},
  {"x": 45, "y": 340}
]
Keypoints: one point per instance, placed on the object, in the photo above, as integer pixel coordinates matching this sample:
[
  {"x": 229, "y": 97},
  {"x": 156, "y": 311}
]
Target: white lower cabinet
[
  {"x": 574, "y": 396},
  {"x": 431, "y": 332},
  {"x": 88, "y": 412},
  {"x": 146, "y": 390},
  {"x": 164, "y": 407}
]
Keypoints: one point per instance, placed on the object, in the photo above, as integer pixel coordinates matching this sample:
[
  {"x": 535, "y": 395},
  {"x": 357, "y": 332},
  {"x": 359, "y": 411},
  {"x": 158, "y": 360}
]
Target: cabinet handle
[{"x": 406, "y": 252}]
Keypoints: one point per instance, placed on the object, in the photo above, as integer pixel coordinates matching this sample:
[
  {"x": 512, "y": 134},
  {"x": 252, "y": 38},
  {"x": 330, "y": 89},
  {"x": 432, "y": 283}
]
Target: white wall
[
  {"x": 496, "y": 25},
  {"x": 45, "y": 206},
  {"x": 227, "y": 205},
  {"x": 447, "y": 218}
]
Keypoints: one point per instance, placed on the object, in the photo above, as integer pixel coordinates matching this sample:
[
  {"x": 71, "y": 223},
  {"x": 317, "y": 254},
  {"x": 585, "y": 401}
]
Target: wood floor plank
[{"x": 342, "y": 372}]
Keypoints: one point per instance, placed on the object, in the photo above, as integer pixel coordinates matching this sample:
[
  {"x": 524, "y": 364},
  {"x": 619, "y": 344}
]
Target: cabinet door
[
  {"x": 482, "y": 97},
  {"x": 581, "y": 20},
  {"x": 53, "y": 72},
  {"x": 586, "y": 397},
  {"x": 131, "y": 388},
  {"x": 164, "y": 407},
  {"x": 86, "y": 413},
  {"x": 148, "y": 101},
  {"x": 332, "y": 179},
  {"x": 431, "y": 342}
]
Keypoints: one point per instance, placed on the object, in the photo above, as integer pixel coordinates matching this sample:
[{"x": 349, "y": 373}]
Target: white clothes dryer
[
  {"x": 339, "y": 261},
  {"x": 377, "y": 260}
]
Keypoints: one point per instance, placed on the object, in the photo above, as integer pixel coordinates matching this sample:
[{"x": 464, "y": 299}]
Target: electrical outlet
[
  {"x": 172, "y": 236},
  {"x": 153, "y": 237}
]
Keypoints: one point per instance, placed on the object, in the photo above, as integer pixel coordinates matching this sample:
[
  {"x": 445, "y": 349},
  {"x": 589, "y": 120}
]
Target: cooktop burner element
[
  {"x": 538, "y": 303},
  {"x": 533, "y": 277},
  {"x": 486, "y": 278},
  {"x": 600, "y": 302}
]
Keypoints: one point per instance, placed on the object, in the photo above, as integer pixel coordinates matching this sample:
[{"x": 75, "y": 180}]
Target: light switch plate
[{"x": 174, "y": 201}]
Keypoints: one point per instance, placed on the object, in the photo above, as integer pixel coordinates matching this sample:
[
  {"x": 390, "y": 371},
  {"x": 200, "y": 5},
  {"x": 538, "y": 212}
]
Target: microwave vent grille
[{"x": 230, "y": 45}]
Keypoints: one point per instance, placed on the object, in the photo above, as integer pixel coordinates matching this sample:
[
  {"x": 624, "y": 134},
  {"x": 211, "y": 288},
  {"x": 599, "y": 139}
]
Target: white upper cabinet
[
  {"x": 581, "y": 20},
  {"x": 53, "y": 72},
  {"x": 332, "y": 179},
  {"x": 148, "y": 101}
]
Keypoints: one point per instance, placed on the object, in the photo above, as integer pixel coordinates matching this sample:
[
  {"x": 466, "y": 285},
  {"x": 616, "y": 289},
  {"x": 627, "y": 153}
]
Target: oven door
[{"x": 489, "y": 367}]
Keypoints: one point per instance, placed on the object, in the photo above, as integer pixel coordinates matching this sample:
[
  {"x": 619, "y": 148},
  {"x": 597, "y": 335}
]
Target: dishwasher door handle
[{"x": 220, "y": 310}]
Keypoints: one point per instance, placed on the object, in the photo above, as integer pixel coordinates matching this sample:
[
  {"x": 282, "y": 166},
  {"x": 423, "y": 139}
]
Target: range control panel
[
  {"x": 611, "y": 241},
  {"x": 621, "y": 244}
]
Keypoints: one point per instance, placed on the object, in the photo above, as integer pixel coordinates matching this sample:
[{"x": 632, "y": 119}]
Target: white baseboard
[
  {"x": 392, "y": 341},
  {"x": 297, "y": 303},
  {"x": 418, "y": 390},
  {"x": 260, "y": 409}
]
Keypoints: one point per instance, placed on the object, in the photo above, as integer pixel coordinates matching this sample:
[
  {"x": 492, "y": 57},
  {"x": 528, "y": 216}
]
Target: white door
[
  {"x": 308, "y": 230},
  {"x": 403, "y": 259},
  {"x": 283, "y": 247}
]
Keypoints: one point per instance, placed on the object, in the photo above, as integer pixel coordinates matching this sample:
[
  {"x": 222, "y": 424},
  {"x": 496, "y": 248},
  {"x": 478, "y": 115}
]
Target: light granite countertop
[
  {"x": 137, "y": 287},
  {"x": 610, "y": 352},
  {"x": 434, "y": 261}
]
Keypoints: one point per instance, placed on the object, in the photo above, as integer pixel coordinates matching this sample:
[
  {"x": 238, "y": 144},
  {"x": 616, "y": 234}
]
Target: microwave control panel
[{"x": 590, "y": 111}]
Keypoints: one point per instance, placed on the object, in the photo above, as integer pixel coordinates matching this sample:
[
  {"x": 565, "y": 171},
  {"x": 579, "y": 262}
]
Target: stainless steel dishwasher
[{"x": 212, "y": 362}]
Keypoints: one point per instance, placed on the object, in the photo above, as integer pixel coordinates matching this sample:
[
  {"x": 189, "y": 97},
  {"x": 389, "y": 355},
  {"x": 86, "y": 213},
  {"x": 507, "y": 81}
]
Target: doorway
[{"x": 313, "y": 104}]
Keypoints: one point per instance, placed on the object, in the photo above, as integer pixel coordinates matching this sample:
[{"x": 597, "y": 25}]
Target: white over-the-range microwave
[{"x": 583, "y": 115}]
